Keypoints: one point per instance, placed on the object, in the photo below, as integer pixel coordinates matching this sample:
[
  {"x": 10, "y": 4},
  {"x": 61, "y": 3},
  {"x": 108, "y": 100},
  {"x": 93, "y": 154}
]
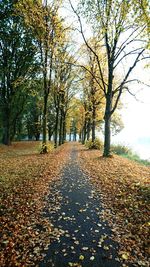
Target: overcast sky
[{"x": 136, "y": 117}]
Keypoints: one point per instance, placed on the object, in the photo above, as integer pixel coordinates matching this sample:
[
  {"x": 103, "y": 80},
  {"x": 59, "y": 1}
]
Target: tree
[
  {"x": 75, "y": 118},
  {"x": 51, "y": 116},
  {"x": 32, "y": 118},
  {"x": 121, "y": 35},
  {"x": 63, "y": 90},
  {"x": 47, "y": 28},
  {"x": 17, "y": 64},
  {"x": 95, "y": 96}
]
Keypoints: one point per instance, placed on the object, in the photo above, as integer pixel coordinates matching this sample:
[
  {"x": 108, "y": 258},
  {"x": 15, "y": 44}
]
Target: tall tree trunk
[
  {"x": 107, "y": 119},
  {"x": 6, "y": 139},
  {"x": 88, "y": 128},
  {"x": 109, "y": 98},
  {"x": 56, "y": 127},
  {"x": 80, "y": 136},
  {"x": 61, "y": 128},
  {"x": 84, "y": 132},
  {"x": 44, "y": 147},
  {"x": 70, "y": 136},
  {"x": 6, "y": 135},
  {"x": 93, "y": 123},
  {"x": 75, "y": 134},
  {"x": 50, "y": 133},
  {"x": 64, "y": 128},
  {"x": 46, "y": 83},
  {"x": 37, "y": 136}
]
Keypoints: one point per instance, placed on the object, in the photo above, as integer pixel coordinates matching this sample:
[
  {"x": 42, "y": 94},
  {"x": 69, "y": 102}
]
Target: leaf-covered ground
[
  {"x": 125, "y": 189},
  {"x": 25, "y": 180},
  {"x": 29, "y": 184}
]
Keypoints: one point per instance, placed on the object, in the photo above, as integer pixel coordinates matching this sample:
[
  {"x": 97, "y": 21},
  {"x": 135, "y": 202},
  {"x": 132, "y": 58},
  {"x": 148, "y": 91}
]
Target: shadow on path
[{"x": 86, "y": 239}]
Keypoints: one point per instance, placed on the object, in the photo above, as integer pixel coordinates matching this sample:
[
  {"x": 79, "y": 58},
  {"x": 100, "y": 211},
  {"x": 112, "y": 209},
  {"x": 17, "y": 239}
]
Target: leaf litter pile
[
  {"x": 124, "y": 188},
  {"x": 26, "y": 178}
]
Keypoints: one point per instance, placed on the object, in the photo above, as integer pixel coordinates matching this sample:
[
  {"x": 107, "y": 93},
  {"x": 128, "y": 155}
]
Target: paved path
[{"x": 86, "y": 238}]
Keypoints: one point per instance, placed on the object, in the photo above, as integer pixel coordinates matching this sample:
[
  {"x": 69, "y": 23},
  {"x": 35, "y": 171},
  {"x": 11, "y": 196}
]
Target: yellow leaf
[
  {"x": 81, "y": 257},
  {"x": 125, "y": 256}
]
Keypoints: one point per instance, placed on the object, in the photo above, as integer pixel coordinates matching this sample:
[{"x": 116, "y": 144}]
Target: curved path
[{"x": 86, "y": 238}]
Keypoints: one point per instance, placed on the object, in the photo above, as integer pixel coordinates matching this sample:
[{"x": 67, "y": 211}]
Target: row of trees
[
  {"x": 46, "y": 87},
  {"x": 35, "y": 81},
  {"x": 120, "y": 30}
]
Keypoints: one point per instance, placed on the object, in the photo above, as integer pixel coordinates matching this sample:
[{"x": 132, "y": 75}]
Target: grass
[
  {"x": 136, "y": 158},
  {"x": 127, "y": 152}
]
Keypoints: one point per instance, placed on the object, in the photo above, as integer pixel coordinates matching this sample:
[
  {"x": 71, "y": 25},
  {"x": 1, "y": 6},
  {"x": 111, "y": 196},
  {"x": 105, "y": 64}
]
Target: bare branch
[
  {"x": 125, "y": 79},
  {"x": 129, "y": 81},
  {"x": 94, "y": 77},
  {"x": 90, "y": 48},
  {"x": 127, "y": 42},
  {"x": 148, "y": 57},
  {"x": 134, "y": 95},
  {"x": 133, "y": 52}
]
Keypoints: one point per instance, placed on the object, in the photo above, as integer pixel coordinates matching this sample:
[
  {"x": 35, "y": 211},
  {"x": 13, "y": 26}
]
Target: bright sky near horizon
[{"x": 136, "y": 117}]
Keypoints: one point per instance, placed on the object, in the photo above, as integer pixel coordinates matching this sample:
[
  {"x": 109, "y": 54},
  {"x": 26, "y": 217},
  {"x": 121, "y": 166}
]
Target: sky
[
  {"x": 136, "y": 132},
  {"x": 136, "y": 117}
]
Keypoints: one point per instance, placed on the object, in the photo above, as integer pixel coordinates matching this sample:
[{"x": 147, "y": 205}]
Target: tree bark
[
  {"x": 56, "y": 127},
  {"x": 61, "y": 128},
  {"x": 88, "y": 128},
  {"x": 108, "y": 108},
  {"x": 46, "y": 86},
  {"x": 6, "y": 135},
  {"x": 50, "y": 133},
  {"x": 107, "y": 119},
  {"x": 80, "y": 136},
  {"x": 70, "y": 136},
  {"x": 93, "y": 123},
  {"x": 84, "y": 132},
  {"x": 64, "y": 128},
  {"x": 37, "y": 136},
  {"x": 75, "y": 134},
  {"x": 6, "y": 139},
  {"x": 44, "y": 148}
]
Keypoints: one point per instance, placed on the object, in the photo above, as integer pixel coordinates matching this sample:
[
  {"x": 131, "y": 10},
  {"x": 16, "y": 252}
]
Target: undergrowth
[
  {"x": 96, "y": 144},
  {"x": 127, "y": 152}
]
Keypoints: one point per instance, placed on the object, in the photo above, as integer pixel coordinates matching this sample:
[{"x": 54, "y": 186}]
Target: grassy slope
[
  {"x": 127, "y": 152},
  {"x": 136, "y": 158}
]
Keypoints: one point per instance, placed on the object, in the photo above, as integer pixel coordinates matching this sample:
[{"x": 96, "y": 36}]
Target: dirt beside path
[{"x": 84, "y": 236}]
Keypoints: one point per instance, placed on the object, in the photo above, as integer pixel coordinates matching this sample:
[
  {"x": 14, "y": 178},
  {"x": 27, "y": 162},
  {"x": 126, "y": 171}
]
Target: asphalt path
[{"x": 85, "y": 239}]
